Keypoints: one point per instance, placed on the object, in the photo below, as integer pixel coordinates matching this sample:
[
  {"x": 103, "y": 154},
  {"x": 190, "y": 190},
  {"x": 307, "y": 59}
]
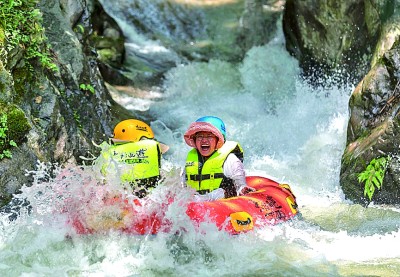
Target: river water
[{"x": 296, "y": 137}]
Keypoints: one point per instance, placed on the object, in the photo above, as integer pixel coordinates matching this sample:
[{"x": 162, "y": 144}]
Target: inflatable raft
[{"x": 271, "y": 203}]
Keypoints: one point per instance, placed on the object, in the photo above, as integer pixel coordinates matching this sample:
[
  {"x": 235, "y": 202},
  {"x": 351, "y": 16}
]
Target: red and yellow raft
[{"x": 271, "y": 203}]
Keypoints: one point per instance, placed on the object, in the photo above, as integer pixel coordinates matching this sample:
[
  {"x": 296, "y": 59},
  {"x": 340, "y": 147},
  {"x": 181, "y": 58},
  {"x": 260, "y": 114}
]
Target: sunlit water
[{"x": 289, "y": 130}]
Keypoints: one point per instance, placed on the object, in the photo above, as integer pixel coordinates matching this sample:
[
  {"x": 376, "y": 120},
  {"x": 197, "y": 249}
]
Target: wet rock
[
  {"x": 374, "y": 125},
  {"x": 329, "y": 35}
]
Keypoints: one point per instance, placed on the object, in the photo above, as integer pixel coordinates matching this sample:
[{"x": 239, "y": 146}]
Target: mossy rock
[
  {"x": 5, "y": 198},
  {"x": 6, "y": 83},
  {"x": 17, "y": 124},
  {"x": 110, "y": 56}
]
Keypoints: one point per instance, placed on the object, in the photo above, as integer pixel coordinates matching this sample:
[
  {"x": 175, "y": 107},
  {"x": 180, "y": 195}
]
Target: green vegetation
[
  {"x": 13, "y": 128},
  {"x": 373, "y": 175},
  {"x": 5, "y": 142},
  {"x": 79, "y": 29},
  {"x": 78, "y": 120},
  {"x": 20, "y": 26},
  {"x": 87, "y": 87}
]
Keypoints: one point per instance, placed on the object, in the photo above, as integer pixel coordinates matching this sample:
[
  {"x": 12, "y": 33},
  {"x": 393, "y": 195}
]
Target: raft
[{"x": 271, "y": 203}]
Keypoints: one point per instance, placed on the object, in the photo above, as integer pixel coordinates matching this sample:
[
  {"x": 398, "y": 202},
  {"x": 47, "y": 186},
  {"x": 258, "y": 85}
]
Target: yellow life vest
[
  {"x": 133, "y": 160},
  {"x": 209, "y": 176}
]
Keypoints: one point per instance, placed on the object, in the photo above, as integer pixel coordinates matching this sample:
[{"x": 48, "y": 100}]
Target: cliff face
[
  {"x": 373, "y": 129},
  {"x": 54, "y": 110},
  {"x": 331, "y": 36}
]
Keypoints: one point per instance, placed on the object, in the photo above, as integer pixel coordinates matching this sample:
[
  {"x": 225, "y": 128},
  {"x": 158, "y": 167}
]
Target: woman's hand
[{"x": 245, "y": 190}]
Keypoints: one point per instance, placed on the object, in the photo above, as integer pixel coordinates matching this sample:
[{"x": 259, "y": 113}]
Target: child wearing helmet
[
  {"x": 136, "y": 155},
  {"x": 214, "y": 167}
]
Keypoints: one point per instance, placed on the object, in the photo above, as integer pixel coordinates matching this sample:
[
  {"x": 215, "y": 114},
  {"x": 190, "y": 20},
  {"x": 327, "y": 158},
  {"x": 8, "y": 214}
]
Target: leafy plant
[
  {"x": 4, "y": 142},
  {"x": 87, "y": 87},
  {"x": 77, "y": 119},
  {"x": 373, "y": 175},
  {"x": 79, "y": 28},
  {"x": 20, "y": 22}
]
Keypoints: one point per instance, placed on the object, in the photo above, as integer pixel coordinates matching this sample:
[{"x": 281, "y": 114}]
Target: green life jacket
[
  {"x": 209, "y": 176},
  {"x": 133, "y": 160}
]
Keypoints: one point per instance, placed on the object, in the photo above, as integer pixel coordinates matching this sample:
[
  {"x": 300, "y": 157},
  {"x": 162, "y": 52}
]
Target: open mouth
[{"x": 205, "y": 147}]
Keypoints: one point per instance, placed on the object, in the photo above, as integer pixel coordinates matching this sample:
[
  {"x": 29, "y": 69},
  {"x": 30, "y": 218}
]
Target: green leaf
[
  {"x": 7, "y": 154},
  {"x": 376, "y": 183},
  {"x": 91, "y": 88},
  {"x": 373, "y": 175},
  {"x": 379, "y": 176}
]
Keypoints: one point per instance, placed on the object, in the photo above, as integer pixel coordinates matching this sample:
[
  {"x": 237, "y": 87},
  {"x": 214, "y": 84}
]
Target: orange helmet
[{"x": 132, "y": 130}]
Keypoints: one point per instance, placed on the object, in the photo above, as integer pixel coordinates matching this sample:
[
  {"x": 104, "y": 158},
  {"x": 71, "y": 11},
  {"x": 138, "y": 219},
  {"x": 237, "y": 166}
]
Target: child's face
[{"x": 205, "y": 143}]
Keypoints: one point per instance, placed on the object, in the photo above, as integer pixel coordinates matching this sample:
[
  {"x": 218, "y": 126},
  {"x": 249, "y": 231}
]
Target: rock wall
[
  {"x": 62, "y": 116},
  {"x": 330, "y": 36},
  {"x": 373, "y": 129}
]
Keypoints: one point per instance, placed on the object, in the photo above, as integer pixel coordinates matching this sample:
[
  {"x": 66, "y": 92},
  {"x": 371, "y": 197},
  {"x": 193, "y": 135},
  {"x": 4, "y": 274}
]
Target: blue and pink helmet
[{"x": 211, "y": 124}]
